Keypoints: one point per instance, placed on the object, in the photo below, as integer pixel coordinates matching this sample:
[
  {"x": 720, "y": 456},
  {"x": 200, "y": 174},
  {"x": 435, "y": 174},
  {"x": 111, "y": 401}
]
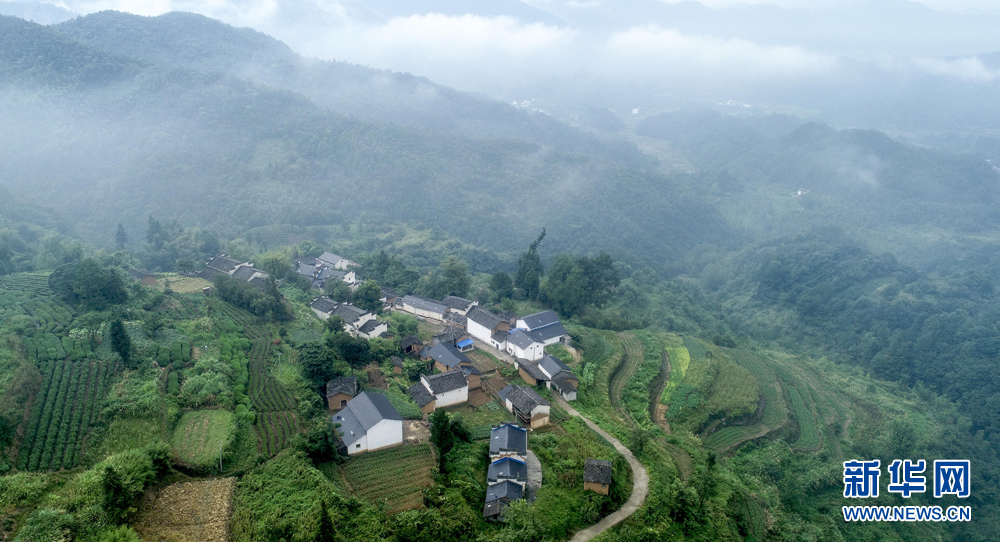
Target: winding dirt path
[{"x": 640, "y": 481}]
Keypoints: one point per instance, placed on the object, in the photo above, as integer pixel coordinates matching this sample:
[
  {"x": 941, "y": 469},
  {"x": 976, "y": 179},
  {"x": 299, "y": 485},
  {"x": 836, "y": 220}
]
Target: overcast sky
[{"x": 492, "y": 54}]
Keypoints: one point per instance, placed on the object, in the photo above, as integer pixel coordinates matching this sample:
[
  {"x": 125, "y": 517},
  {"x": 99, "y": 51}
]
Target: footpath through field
[{"x": 640, "y": 481}]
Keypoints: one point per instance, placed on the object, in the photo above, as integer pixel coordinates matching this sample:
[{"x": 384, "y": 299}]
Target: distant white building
[
  {"x": 440, "y": 390},
  {"x": 336, "y": 262},
  {"x": 423, "y": 307},
  {"x": 357, "y": 321},
  {"x": 544, "y": 327}
]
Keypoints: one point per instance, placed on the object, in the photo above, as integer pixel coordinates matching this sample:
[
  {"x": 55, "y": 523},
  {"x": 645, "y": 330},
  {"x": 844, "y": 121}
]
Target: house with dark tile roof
[
  {"x": 526, "y": 405},
  {"x": 473, "y": 375},
  {"x": 446, "y": 356},
  {"x": 340, "y": 390},
  {"x": 508, "y": 468},
  {"x": 369, "y": 422},
  {"x": 550, "y": 372},
  {"x": 597, "y": 476},
  {"x": 544, "y": 327},
  {"x": 458, "y": 305},
  {"x": 411, "y": 344},
  {"x": 521, "y": 344},
  {"x": 508, "y": 440},
  {"x": 440, "y": 390},
  {"x": 423, "y": 307},
  {"x": 482, "y": 324}
]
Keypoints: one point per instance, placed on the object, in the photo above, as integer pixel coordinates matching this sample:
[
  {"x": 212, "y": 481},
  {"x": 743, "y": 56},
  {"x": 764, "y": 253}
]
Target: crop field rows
[
  {"x": 49, "y": 313},
  {"x": 275, "y": 429},
  {"x": 275, "y": 407},
  {"x": 775, "y": 413},
  {"x": 630, "y": 363},
  {"x": 26, "y": 282},
  {"x": 397, "y": 475},
  {"x": 200, "y": 436},
  {"x": 64, "y": 410}
]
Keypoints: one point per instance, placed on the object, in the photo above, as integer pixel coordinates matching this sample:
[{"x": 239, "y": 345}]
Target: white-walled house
[
  {"x": 544, "y": 327},
  {"x": 369, "y": 422},
  {"x": 522, "y": 345},
  {"x": 440, "y": 390},
  {"x": 336, "y": 262},
  {"x": 423, "y": 307},
  {"x": 488, "y": 327}
]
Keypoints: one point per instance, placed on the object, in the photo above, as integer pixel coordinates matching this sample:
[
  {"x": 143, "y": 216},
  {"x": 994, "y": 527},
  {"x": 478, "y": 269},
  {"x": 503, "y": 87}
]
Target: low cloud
[{"x": 969, "y": 69}]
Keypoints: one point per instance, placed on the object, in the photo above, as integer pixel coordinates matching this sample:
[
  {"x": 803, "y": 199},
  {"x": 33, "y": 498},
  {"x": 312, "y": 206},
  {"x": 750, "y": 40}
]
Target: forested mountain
[
  {"x": 229, "y": 154},
  {"x": 199, "y": 43}
]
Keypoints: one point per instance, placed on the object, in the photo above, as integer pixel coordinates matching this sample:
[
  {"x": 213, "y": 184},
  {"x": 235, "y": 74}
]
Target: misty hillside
[
  {"x": 225, "y": 153},
  {"x": 199, "y": 43}
]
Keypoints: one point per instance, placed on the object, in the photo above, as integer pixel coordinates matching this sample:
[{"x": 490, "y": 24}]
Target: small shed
[
  {"x": 411, "y": 344},
  {"x": 397, "y": 365},
  {"x": 597, "y": 476},
  {"x": 340, "y": 390}
]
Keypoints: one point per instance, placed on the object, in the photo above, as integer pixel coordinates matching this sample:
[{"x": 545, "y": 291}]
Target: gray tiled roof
[
  {"x": 508, "y": 315},
  {"x": 450, "y": 334},
  {"x": 349, "y": 313},
  {"x": 209, "y": 273},
  {"x": 539, "y": 319},
  {"x": 396, "y": 361},
  {"x": 388, "y": 293},
  {"x": 484, "y": 317},
  {"x": 244, "y": 273},
  {"x": 521, "y": 339},
  {"x": 350, "y": 428},
  {"x": 469, "y": 370},
  {"x": 597, "y": 471},
  {"x": 502, "y": 394},
  {"x": 419, "y": 394},
  {"x": 494, "y": 508},
  {"x": 562, "y": 383},
  {"x": 446, "y": 381},
  {"x": 455, "y": 302},
  {"x": 446, "y": 354},
  {"x": 525, "y": 399},
  {"x": 552, "y": 366},
  {"x": 509, "y": 437},
  {"x": 223, "y": 263},
  {"x": 532, "y": 369},
  {"x": 342, "y": 384},
  {"x": 410, "y": 340},
  {"x": 369, "y": 326},
  {"x": 425, "y": 304},
  {"x": 329, "y": 258},
  {"x": 306, "y": 270},
  {"x": 259, "y": 282},
  {"x": 459, "y": 319},
  {"x": 324, "y": 304},
  {"x": 326, "y": 274},
  {"x": 371, "y": 408},
  {"x": 507, "y": 468},
  {"x": 504, "y": 490},
  {"x": 500, "y": 336},
  {"x": 543, "y": 334}
]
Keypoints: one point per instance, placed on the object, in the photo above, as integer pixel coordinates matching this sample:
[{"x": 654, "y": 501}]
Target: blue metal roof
[{"x": 463, "y": 344}]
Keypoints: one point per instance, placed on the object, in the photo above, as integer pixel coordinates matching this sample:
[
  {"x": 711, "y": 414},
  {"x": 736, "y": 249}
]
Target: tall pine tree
[{"x": 530, "y": 270}]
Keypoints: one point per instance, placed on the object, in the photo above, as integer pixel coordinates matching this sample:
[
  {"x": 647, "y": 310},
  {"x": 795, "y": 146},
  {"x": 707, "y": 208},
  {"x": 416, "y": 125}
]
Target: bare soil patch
[
  {"x": 188, "y": 512},
  {"x": 479, "y": 397}
]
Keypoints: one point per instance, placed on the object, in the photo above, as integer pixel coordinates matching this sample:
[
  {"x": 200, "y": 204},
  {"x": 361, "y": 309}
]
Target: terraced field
[
  {"x": 275, "y": 407},
  {"x": 65, "y": 409},
  {"x": 396, "y": 475},
  {"x": 775, "y": 412},
  {"x": 631, "y": 361}
]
